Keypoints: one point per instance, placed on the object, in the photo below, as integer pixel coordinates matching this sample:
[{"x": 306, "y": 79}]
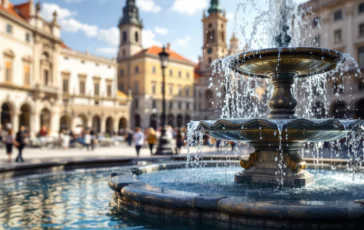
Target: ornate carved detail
[
  {"x": 294, "y": 162},
  {"x": 247, "y": 164}
]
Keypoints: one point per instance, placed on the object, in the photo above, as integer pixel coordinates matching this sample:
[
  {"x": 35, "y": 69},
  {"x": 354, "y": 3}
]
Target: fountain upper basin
[
  {"x": 292, "y": 62},
  {"x": 267, "y": 130}
]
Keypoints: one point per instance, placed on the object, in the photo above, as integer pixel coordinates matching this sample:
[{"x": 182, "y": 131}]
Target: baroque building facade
[
  {"x": 339, "y": 25},
  {"x": 40, "y": 77},
  {"x": 139, "y": 74}
]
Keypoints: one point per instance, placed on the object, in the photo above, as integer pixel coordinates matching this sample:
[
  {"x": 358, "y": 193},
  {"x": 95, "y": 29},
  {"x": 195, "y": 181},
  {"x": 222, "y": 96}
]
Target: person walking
[
  {"x": 138, "y": 138},
  {"x": 20, "y": 143},
  {"x": 88, "y": 140},
  {"x": 9, "y": 141},
  {"x": 179, "y": 141},
  {"x": 151, "y": 139},
  {"x": 129, "y": 137},
  {"x": 93, "y": 139}
]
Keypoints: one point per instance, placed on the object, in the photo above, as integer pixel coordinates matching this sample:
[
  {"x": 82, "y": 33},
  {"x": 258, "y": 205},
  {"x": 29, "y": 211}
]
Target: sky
[{"x": 91, "y": 25}]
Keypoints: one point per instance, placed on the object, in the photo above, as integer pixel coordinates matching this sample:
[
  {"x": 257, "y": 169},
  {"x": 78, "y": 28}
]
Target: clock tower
[{"x": 214, "y": 35}]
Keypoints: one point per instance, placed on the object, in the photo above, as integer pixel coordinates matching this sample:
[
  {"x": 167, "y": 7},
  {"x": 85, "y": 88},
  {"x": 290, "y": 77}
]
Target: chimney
[{"x": 168, "y": 46}]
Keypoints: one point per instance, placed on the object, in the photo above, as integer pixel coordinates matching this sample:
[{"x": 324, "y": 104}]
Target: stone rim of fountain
[{"x": 136, "y": 194}]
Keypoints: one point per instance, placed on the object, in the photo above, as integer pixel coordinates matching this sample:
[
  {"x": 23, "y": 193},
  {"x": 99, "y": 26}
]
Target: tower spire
[
  {"x": 131, "y": 14},
  {"x": 214, "y": 7}
]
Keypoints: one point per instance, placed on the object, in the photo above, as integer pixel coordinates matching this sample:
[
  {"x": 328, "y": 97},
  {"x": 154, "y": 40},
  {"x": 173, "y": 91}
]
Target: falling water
[{"x": 241, "y": 96}]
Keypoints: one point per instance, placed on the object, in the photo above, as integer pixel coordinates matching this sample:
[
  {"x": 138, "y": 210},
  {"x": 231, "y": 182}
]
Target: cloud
[
  {"x": 161, "y": 31},
  {"x": 49, "y": 8},
  {"x": 189, "y": 7},
  {"x": 109, "y": 51},
  {"x": 148, "y": 6},
  {"x": 111, "y": 36},
  {"x": 73, "y": 1},
  {"x": 230, "y": 15},
  {"x": 183, "y": 41},
  {"x": 149, "y": 38}
]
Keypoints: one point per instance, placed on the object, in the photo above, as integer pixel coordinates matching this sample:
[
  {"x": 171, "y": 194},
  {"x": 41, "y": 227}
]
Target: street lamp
[{"x": 164, "y": 146}]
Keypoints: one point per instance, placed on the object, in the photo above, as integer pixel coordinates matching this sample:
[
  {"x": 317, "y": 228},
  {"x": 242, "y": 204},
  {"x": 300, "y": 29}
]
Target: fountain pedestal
[{"x": 274, "y": 167}]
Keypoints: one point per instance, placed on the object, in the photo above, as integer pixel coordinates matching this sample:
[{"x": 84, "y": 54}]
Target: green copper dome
[
  {"x": 130, "y": 14},
  {"x": 214, "y": 7}
]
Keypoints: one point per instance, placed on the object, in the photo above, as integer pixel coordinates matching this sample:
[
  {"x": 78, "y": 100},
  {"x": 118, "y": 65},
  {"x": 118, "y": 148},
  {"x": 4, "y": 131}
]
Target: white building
[{"x": 40, "y": 78}]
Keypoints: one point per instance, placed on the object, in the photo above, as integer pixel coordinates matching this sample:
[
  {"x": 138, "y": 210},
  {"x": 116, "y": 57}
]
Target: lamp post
[{"x": 164, "y": 146}]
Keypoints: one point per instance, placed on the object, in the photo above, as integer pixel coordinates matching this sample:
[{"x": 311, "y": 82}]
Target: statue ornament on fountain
[{"x": 277, "y": 159}]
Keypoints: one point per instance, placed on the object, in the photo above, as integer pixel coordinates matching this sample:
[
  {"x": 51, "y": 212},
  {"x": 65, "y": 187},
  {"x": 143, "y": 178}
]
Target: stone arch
[
  {"x": 153, "y": 121},
  {"x": 96, "y": 123},
  {"x": 45, "y": 118},
  {"x": 65, "y": 122},
  {"x": 25, "y": 115},
  {"x": 170, "y": 120},
  {"x": 339, "y": 109},
  {"x": 109, "y": 125},
  {"x": 80, "y": 120},
  {"x": 7, "y": 109},
  {"x": 179, "y": 120},
  {"x": 137, "y": 120},
  {"x": 123, "y": 123}
]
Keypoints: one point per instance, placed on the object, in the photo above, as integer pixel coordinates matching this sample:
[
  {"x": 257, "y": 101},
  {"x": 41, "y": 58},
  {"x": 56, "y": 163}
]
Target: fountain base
[{"x": 267, "y": 167}]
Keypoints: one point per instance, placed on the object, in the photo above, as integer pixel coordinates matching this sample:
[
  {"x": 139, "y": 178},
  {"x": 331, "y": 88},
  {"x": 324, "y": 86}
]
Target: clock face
[{"x": 209, "y": 50}]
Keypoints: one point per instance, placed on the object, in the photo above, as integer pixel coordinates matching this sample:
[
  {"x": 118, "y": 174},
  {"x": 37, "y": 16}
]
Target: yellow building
[{"x": 140, "y": 74}]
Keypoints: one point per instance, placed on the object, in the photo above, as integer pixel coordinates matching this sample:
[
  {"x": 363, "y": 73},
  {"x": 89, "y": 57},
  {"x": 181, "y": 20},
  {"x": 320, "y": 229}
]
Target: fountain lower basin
[{"x": 210, "y": 194}]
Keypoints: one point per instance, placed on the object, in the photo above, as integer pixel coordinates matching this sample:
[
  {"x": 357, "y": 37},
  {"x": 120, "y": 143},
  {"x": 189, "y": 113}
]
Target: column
[
  {"x": 89, "y": 121},
  {"x": 15, "y": 121},
  {"x": 103, "y": 124},
  {"x": 35, "y": 119},
  {"x": 116, "y": 124},
  {"x": 55, "y": 122}
]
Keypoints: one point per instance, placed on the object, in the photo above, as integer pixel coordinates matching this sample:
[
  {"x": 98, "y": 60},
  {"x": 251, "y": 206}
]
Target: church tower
[
  {"x": 130, "y": 27},
  {"x": 234, "y": 44},
  {"x": 214, "y": 37}
]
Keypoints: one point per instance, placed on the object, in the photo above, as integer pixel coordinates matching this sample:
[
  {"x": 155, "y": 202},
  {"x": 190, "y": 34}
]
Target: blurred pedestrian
[
  {"x": 20, "y": 143},
  {"x": 138, "y": 140},
  {"x": 218, "y": 143},
  {"x": 65, "y": 139},
  {"x": 151, "y": 139},
  {"x": 129, "y": 137},
  {"x": 88, "y": 139},
  {"x": 233, "y": 144},
  {"x": 93, "y": 139},
  {"x": 9, "y": 141},
  {"x": 179, "y": 141}
]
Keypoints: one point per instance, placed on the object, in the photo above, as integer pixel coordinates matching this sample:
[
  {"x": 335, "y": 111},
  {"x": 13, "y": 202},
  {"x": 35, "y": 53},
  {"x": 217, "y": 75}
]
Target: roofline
[{"x": 86, "y": 56}]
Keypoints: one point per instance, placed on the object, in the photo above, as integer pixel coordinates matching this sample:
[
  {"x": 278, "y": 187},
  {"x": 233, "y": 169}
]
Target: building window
[
  {"x": 82, "y": 87},
  {"x": 361, "y": 84},
  {"x": 9, "y": 29},
  {"x": 109, "y": 90},
  {"x": 65, "y": 85},
  {"x": 121, "y": 73},
  {"x": 316, "y": 22},
  {"x": 222, "y": 36},
  {"x": 136, "y": 36},
  {"x": 96, "y": 89},
  {"x": 316, "y": 41},
  {"x": 179, "y": 105},
  {"x": 179, "y": 91},
  {"x": 154, "y": 70},
  {"x": 170, "y": 72},
  {"x": 338, "y": 15},
  {"x": 136, "y": 69},
  {"x": 337, "y": 36},
  {"x": 154, "y": 90},
  {"x": 210, "y": 60},
  {"x": 125, "y": 39},
  {"x": 8, "y": 71},
  {"x": 361, "y": 57},
  {"x": 26, "y": 74},
  {"x": 211, "y": 36},
  {"x": 82, "y": 61},
  {"x": 27, "y": 37},
  {"x": 361, "y": 8},
  {"x": 154, "y": 104},
  {"x": 188, "y": 75},
  {"x": 136, "y": 87},
  {"x": 171, "y": 90},
  {"x": 46, "y": 77},
  {"x": 136, "y": 103},
  {"x": 171, "y": 105},
  {"x": 187, "y": 106},
  {"x": 179, "y": 74},
  {"x": 187, "y": 92},
  {"x": 361, "y": 30}
]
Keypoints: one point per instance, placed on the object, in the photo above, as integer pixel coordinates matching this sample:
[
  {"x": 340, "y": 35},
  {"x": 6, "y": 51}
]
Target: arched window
[
  {"x": 187, "y": 92},
  {"x": 210, "y": 60},
  {"x": 136, "y": 36},
  {"x": 222, "y": 36},
  {"x": 125, "y": 38},
  {"x": 136, "y": 69},
  {"x": 154, "y": 69},
  {"x": 124, "y": 53}
]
